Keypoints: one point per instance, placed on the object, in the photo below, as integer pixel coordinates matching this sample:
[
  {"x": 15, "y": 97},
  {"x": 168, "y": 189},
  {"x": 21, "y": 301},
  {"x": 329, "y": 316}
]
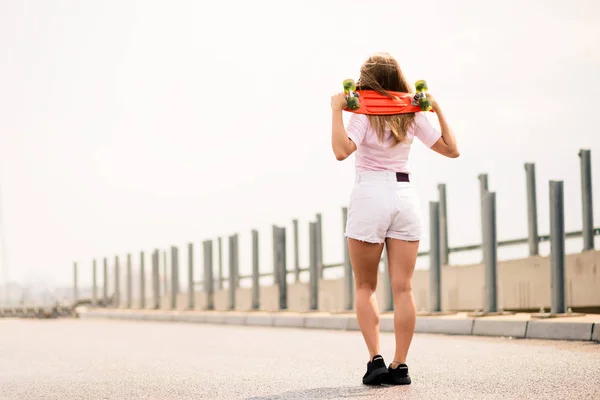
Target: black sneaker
[
  {"x": 399, "y": 375},
  {"x": 377, "y": 372}
]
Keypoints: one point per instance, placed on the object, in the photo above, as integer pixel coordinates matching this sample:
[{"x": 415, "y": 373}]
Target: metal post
[
  {"x": 483, "y": 188},
  {"x": 232, "y": 272},
  {"x": 165, "y": 279},
  {"x": 142, "y": 281},
  {"x": 435, "y": 269},
  {"x": 348, "y": 276},
  {"x": 388, "y": 294},
  {"x": 236, "y": 259},
  {"x": 532, "y": 222},
  {"x": 75, "y": 288},
  {"x": 174, "y": 276},
  {"x": 320, "y": 244},
  {"x": 586, "y": 199},
  {"x": 281, "y": 266},
  {"x": 117, "y": 283},
  {"x": 255, "y": 272},
  {"x": 128, "y": 282},
  {"x": 274, "y": 244},
  {"x": 94, "y": 284},
  {"x": 105, "y": 283},
  {"x": 313, "y": 267},
  {"x": 208, "y": 275},
  {"x": 444, "y": 249},
  {"x": 483, "y": 185},
  {"x": 220, "y": 250},
  {"x": 557, "y": 247},
  {"x": 156, "y": 279},
  {"x": 490, "y": 256},
  {"x": 296, "y": 253},
  {"x": 191, "y": 293}
]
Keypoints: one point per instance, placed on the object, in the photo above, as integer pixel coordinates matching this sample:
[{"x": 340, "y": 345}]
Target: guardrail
[{"x": 438, "y": 254}]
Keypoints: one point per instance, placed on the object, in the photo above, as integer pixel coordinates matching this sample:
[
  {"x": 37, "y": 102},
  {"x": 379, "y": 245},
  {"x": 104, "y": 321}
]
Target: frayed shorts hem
[
  {"x": 403, "y": 237},
  {"x": 381, "y": 241},
  {"x": 364, "y": 239}
]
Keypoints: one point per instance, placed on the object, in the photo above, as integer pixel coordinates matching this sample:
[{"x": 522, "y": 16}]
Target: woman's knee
[
  {"x": 366, "y": 286},
  {"x": 401, "y": 286}
]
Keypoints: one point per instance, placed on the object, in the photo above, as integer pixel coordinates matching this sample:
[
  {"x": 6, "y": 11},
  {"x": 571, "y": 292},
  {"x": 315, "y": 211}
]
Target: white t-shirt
[{"x": 373, "y": 155}]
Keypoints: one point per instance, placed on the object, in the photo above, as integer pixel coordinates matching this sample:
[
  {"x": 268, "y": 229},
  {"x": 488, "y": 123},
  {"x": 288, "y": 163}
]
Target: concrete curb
[
  {"x": 530, "y": 329},
  {"x": 259, "y": 320},
  {"x": 516, "y": 329},
  {"x": 446, "y": 326},
  {"x": 560, "y": 330},
  {"x": 289, "y": 321}
]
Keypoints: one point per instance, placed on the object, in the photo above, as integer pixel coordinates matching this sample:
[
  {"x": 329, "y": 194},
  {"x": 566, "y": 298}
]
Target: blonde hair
[{"x": 382, "y": 73}]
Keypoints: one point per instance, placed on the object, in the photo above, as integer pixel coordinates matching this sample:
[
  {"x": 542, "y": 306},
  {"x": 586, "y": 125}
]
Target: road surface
[{"x": 94, "y": 359}]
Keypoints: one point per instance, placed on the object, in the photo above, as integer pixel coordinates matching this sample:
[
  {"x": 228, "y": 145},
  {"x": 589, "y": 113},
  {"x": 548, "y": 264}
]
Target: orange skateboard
[{"x": 374, "y": 103}]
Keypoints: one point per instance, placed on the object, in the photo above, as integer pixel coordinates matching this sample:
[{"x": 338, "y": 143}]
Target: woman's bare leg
[
  {"x": 402, "y": 257},
  {"x": 365, "y": 259}
]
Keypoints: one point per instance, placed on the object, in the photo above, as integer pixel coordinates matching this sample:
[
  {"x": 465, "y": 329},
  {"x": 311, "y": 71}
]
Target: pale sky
[{"x": 128, "y": 125}]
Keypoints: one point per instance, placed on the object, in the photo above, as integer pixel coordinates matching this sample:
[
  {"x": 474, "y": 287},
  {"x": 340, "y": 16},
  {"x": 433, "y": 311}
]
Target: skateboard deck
[{"x": 374, "y": 103}]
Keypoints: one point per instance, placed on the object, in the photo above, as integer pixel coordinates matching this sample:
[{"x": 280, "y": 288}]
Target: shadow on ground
[{"x": 329, "y": 393}]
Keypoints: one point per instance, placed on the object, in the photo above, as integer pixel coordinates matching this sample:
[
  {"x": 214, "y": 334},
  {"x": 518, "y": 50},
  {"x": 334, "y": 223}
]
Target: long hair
[{"x": 382, "y": 74}]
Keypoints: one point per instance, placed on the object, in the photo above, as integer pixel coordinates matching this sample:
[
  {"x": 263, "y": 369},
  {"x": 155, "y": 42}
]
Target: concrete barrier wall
[{"x": 522, "y": 284}]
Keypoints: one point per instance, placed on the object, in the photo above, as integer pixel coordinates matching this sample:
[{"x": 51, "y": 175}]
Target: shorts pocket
[
  {"x": 369, "y": 213},
  {"x": 407, "y": 221}
]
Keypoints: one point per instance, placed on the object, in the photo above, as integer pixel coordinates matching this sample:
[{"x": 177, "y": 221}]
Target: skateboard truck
[
  {"x": 351, "y": 94},
  {"x": 420, "y": 98}
]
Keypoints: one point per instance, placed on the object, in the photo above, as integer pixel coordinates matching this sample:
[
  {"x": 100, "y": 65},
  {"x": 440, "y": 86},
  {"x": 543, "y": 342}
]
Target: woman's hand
[
  {"x": 433, "y": 101},
  {"x": 338, "y": 102}
]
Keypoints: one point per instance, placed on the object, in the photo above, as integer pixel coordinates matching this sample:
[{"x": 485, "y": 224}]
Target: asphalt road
[{"x": 91, "y": 359}]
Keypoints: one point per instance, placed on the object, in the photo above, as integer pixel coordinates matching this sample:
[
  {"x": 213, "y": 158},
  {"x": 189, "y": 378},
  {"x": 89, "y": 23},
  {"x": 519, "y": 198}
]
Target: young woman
[{"x": 384, "y": 208}]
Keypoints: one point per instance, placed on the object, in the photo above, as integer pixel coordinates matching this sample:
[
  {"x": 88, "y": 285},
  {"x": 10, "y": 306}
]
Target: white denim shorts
[{"x": 380, "y": 208}]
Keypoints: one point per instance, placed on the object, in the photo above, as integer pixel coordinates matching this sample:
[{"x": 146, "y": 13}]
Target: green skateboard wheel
[
  {"x": 351, "y": 95},
  {"x": 349, "y": 85},
  {"x": 425, "y": 104},
  {"x": 421, "y": 86},
  {"x": 353, "y": 103}
]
